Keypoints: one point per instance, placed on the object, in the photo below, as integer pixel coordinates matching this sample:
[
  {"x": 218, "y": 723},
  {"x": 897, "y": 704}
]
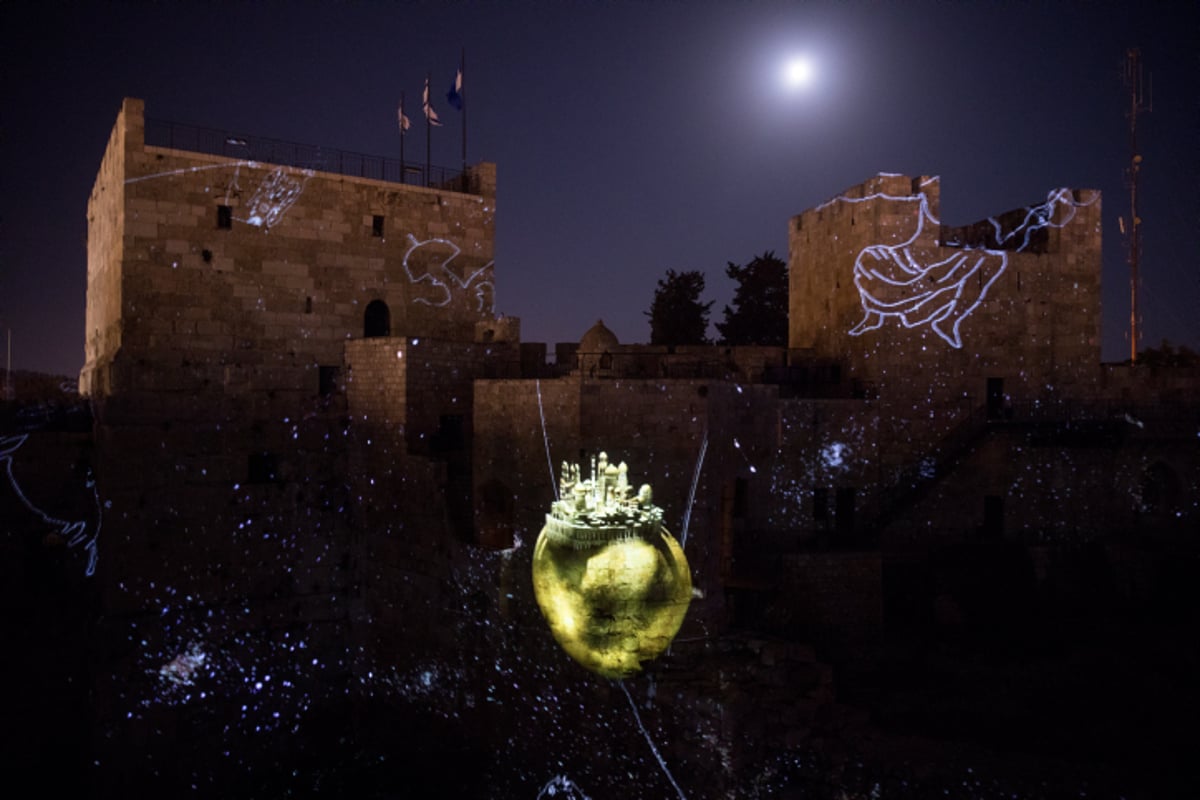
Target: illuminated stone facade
[
  {"x": 238, "y": 311},
  {"x": 310, "y": 427},
  {"x": 933, "y": 310},
  {"x": 207, "y": 269},
  {"x": 280, "y": 362}
]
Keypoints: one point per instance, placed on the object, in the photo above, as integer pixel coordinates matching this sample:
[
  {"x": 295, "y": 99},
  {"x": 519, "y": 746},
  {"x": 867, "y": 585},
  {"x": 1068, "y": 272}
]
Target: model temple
[{"x": 612, "y": 583}]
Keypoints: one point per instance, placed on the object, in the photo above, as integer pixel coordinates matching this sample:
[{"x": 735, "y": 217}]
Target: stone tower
[
  {"x": 259, "y": 263},
  {"x": 1010, "y": 304}
]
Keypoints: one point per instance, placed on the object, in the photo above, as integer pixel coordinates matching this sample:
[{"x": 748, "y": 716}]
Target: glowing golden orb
[{"x": 612, "y": 583}]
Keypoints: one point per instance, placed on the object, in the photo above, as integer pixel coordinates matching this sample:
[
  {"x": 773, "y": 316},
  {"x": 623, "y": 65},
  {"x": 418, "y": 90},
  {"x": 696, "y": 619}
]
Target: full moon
[{"x": 798, "y": 72}]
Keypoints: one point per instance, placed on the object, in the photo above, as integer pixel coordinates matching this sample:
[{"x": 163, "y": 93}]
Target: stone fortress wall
[
  {"x": 904, "y": 299},
  {"x": 280, "y": 364},
  {"x": 210, "y": 268},
  {"x": 305, "y": 407}
]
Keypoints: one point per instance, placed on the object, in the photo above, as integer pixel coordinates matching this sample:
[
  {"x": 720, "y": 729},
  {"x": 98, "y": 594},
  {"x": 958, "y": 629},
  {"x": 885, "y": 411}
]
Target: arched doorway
[{"x": 377, "y": 320}]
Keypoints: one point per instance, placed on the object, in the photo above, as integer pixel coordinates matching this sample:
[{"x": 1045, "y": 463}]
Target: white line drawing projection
[
  {"x": 182, "y": 669},
  {"x": 188, "y": 170},
  {"x": 426, "y": 263},
  {"x": 75, "y": 532},
  {"x": 562, "y": 786},
  {"x": 233, "y": 188},
  {"x": 900, "y": 281},
  {"x": 273, "y": 196},
  {"x": 277, "y": 192}
]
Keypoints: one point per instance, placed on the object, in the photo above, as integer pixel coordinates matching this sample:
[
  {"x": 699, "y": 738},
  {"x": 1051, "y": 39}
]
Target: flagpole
[
  {"x": 403, "y": 172},
  {"x": 462, "y": 67},
  {"x": 428, "y": 103}
]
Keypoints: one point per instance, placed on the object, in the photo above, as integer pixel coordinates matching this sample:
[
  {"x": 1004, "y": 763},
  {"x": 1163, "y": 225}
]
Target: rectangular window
[
  {"x": 224, "y": 217},
  {"x": 820, "y": 504},
  {"x": 377, "y": 225},
  {"x": 450, "y": 434},
  {"x": 993, "y": 516},
  {"x": 327, "y": 380},
  {"x": 262, "y": 468},
  {"x": 844, "y": 510},
  {"x": 741, "y": 498}
]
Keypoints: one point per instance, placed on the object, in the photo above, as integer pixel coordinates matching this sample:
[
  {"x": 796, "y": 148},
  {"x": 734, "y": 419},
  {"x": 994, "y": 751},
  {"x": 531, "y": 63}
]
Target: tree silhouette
[
  {"x": 677, "y": 316},
  {"x": 760, "y": 312},
  {"x": 1166, "y": 355}
]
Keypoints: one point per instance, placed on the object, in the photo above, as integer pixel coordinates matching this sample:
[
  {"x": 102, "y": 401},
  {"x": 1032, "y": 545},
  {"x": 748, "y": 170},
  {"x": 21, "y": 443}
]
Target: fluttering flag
[
  {"x": 454, "y": 97},
  {"x": 430, "y": 115},
  {"x": 402, "y": 118}
]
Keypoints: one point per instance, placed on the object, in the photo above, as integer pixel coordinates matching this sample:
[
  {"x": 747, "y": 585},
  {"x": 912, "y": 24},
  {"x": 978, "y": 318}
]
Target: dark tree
[
  {"x": 1166, "y": 355},
  {"x": 677, "y": 316},
  {"x": 760, "y": 303}
]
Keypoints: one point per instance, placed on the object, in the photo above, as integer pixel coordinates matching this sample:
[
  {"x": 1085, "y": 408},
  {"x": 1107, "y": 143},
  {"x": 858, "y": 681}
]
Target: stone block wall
[
  {"x": 919, "y": 308},
  {"x": 660, "y": 428},
  {"x": 1063, "y": 484},
  {"x": 441, "y": 376},
  {"x": 832, "y": 598},
  {"x": 197, "y": 259},
  {"x": 106, "y": 224},
  {"x": 377, "y": 381},
  {"x": 514, "y": 476},
  {"x": 826, "y": 446}
]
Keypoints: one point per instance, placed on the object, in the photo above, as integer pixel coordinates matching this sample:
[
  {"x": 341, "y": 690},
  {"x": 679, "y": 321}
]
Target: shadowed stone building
[{"x": 311, "y": 428}]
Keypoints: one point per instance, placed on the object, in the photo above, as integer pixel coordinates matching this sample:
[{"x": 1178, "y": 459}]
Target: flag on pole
[
  {"x": 430, "y": 115},
  {"x": 405, "y": 124},
  {"x": 455, "y": 97}
]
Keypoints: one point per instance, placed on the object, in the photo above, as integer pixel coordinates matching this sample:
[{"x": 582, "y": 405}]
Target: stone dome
[{"x": 598, "y": 339}]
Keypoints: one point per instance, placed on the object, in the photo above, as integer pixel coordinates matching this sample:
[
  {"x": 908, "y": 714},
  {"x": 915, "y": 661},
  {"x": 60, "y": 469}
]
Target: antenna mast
[
  {"x": 9, "y": 394},
  {"x": 1138, "y": 103}
]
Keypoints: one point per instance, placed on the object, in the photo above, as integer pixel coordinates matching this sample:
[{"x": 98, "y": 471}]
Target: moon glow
[{"x": 798, "y": 72}]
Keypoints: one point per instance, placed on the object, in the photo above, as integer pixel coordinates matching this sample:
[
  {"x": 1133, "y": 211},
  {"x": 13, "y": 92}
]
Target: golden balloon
[{"x": 610, "y": 580}]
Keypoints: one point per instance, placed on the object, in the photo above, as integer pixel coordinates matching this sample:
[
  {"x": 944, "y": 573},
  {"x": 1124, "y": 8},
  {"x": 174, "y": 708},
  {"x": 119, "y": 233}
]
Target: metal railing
[{"x": 160, "y": 133}]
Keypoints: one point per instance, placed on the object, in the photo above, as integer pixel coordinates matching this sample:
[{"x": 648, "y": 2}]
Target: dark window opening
[
  {"x": 224, "y": 217},
  {"x": 450, "y": 434},
  {"x": 377, "y": 320},
  {"x": 327, "y": 380},
  {"x": 377, "y": 225},
  {"x": 844, "y": 510},
  {"x": 741, "y": 501},
  {"x": 206, "y": 255},
  {"x": 308, "y": 305},
  {"x": 820, "y": 499},
  {"x": 262, "y": 468},
  {"x": 993, "y": 516}
]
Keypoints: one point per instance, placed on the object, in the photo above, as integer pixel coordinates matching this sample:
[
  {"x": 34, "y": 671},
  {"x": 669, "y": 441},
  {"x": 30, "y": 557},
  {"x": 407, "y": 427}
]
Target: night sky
[{"x": 630, "y": 138}]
